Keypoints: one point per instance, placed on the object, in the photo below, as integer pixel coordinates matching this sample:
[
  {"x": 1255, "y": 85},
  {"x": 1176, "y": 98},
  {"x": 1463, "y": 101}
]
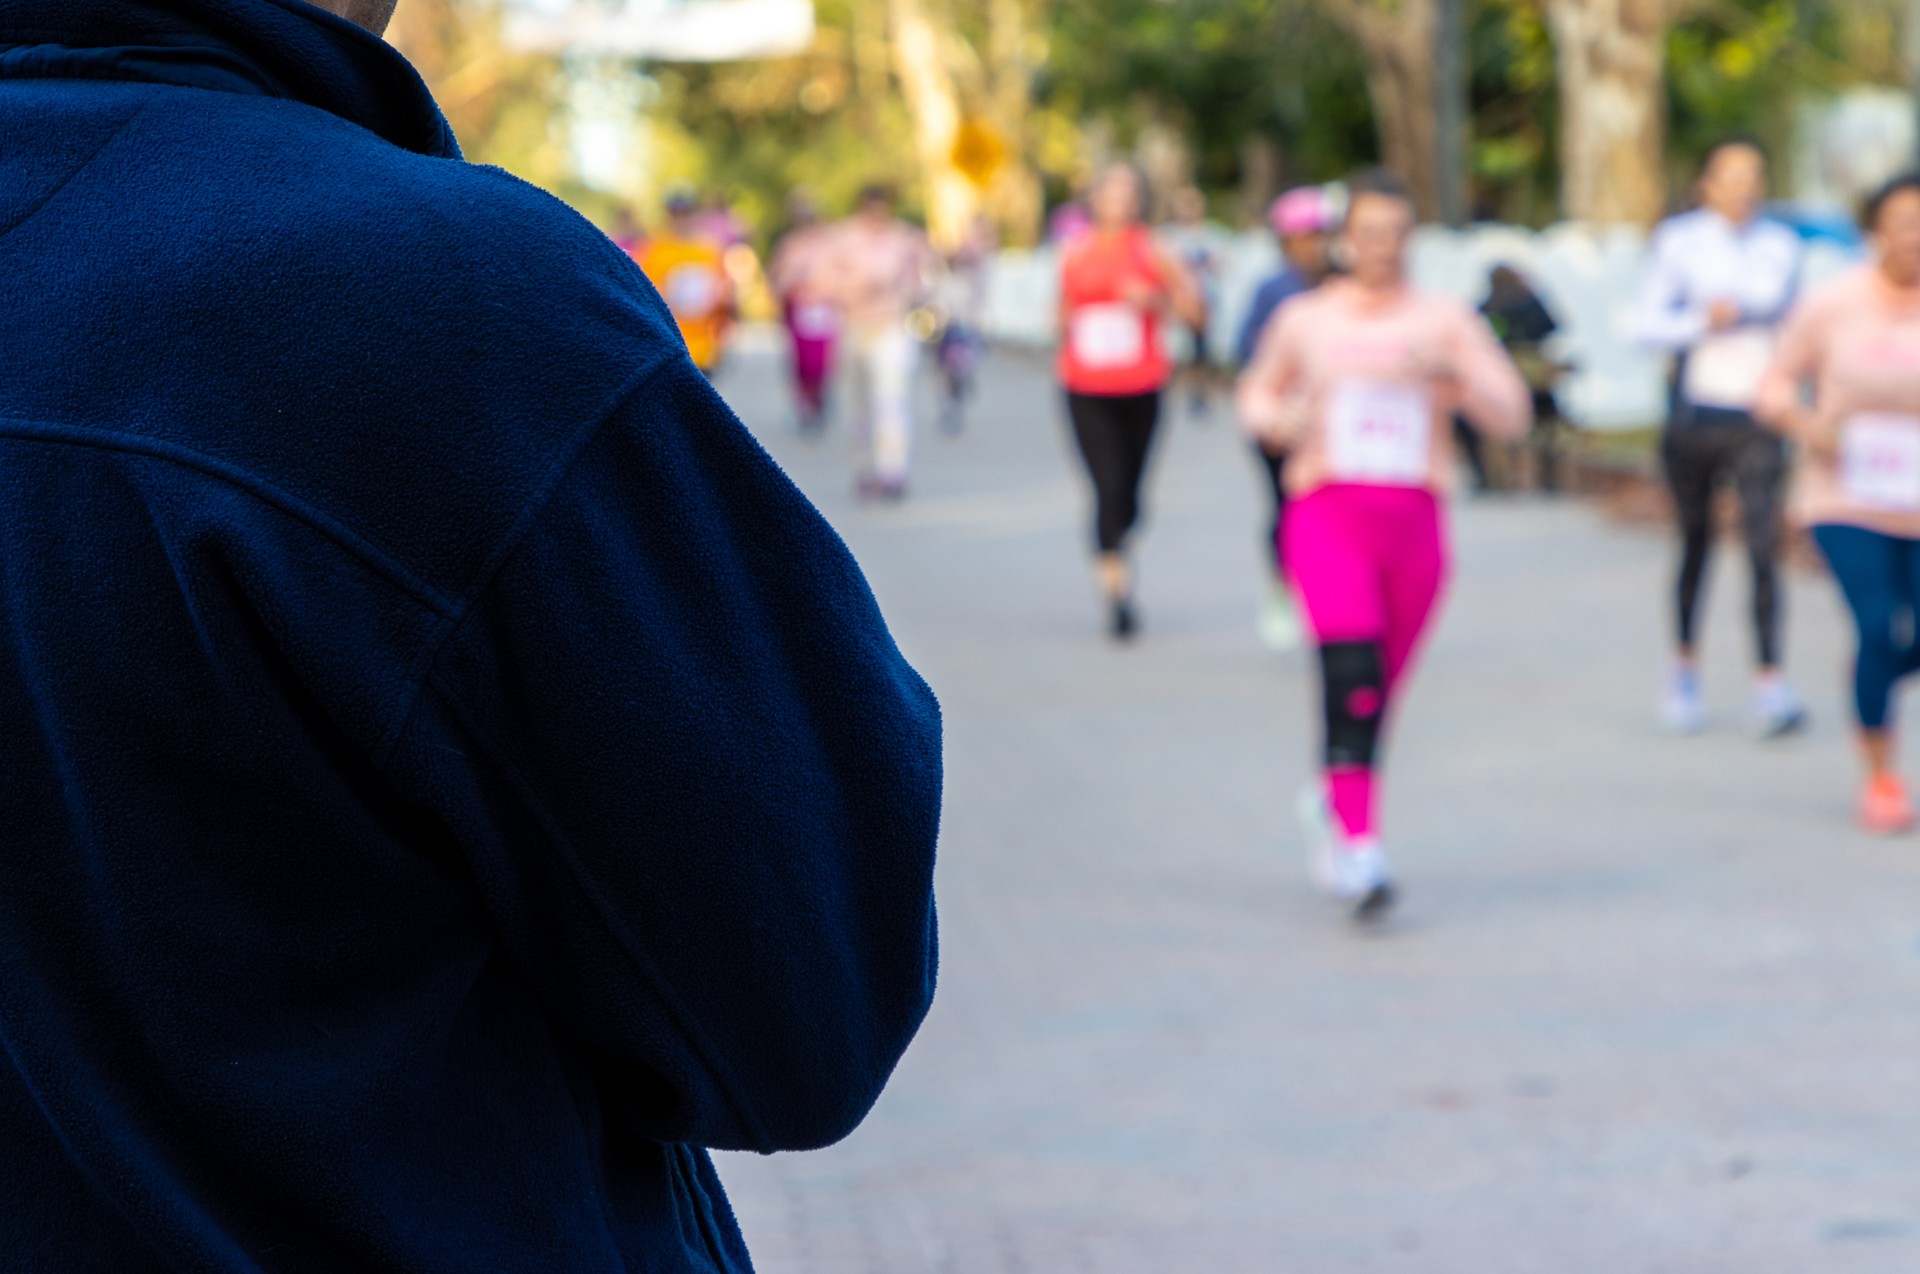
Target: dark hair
[
  {"x": 877, "y": 192},
  {"x": 1874, "y": 204},
  {"x": 1729, "y": 141},
  {"x": 1376, "y": 181}
]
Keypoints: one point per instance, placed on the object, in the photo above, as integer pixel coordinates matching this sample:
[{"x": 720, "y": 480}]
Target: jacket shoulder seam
[
  {"x": 453, "y": 618},
  {"x": 243, "y": 480}
]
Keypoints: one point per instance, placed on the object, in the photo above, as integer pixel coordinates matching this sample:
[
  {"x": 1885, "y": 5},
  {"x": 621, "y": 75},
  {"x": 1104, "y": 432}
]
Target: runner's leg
[
  {"x": 859, "y": 400},
  {"x": 1097, "y": 433},
  {"x": 1137, "y": 416},
  {"x": 892, "y": 358},
  {"x": 1692, "y": 465},
  {"x": 1868, "y": 568},
  {"x": 1876, "y": 574},
  {"x": 1759, "y": 472},
  {"x": 1412, "y": 554},
  {"x": 1341, "y": 590}
]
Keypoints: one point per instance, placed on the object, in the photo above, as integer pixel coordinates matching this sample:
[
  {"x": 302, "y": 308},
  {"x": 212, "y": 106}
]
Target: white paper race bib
[
  {"x": 1108, "y": 336},
  {"x": 1880, "y": 461},
  {"x": 691, "y": 290},
  {"x": 1725, "y": 370},
  {"x": 815, "y": 320},
  {"x": 1380, "y": 432}
]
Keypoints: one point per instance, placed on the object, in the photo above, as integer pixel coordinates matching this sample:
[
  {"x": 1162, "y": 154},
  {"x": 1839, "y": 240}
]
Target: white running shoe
[
  {"x": 1776, "y": 709},
  {"x": 1681, "y": 709},
  {"x": 1363, "y": 879},
  {"x": 1316, "y": 822},
  {"x": 1279, "y": 622}
]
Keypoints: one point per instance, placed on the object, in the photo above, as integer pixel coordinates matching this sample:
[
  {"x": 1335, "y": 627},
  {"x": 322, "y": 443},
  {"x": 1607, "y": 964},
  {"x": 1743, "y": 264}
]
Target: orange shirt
[
  {"x": 1111, "y": 346},
  {"x": 691, "y": 280}
]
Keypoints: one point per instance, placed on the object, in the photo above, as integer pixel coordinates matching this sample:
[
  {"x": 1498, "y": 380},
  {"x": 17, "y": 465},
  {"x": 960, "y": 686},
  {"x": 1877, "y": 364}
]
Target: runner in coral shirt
[{"x": 1116, "y": 286}]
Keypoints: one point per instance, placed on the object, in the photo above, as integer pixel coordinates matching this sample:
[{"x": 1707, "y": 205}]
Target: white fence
[{"x": 1586, "y": 275}]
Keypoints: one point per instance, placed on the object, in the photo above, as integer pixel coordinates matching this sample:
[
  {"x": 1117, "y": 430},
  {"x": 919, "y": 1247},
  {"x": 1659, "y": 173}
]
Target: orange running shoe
[{"x": 1885, "y": 807}]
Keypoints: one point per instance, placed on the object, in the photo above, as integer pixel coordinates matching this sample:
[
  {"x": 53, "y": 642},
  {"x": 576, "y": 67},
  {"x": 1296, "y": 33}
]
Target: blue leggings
[{"x": 1880, "y": 577}]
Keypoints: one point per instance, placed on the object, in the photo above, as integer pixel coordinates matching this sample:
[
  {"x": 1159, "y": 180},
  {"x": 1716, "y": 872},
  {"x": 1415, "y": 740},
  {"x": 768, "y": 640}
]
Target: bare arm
[
  {"x": 1780, "y": 404},
  {"x": 1490, "y": 391},
  {"x": 1267, "y": 394},
  {"x": 1184, "y": 296}
]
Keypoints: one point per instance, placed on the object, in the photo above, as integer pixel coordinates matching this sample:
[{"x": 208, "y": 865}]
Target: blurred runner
[
  {"x": 1115, "y": 285},
  {"x": 716, "y": 221},
  {"x": 1068, "y": 222},
  {"x": 1524, "y": 324},
  {"x": 1856, "y": 340},
  {"x": 627, "y": 234},
  {"x": 1200, "y": 246},
  {"x": 799, "y": 286},
  {"x": 686, "y": 268},
  {"x": 877, "y": 269},
  {"x": 1301, "y": 219},
  {"x": 1721, "y": 278},
  {"x": 1359, "y": 379},
  {"x": 963, "y": 305}
]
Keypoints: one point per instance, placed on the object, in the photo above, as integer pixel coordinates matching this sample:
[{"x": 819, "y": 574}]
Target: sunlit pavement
[{"x": 1651, "y": 1004}]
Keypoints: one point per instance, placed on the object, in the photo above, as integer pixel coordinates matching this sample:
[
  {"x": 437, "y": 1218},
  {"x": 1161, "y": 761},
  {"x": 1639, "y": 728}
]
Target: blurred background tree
[{"x": 1001, "y": 108}]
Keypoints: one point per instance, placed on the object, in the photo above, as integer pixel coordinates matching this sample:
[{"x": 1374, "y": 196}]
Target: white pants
[{"x": 878, "y": 365}]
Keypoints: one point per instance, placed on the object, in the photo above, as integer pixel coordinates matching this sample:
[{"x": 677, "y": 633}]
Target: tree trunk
[
  {"x": 1612, "y": 126},
  {"x": 1015, "y": 199},
  {"x": 934, "y": 103},
  {"x": 1396, "y": 40}
]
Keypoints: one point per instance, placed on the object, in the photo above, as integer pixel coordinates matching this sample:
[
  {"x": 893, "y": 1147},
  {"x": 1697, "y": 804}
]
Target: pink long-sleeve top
[
  {"x": 1856, "y": 340},
  {"x": 1359, "y": 386}
]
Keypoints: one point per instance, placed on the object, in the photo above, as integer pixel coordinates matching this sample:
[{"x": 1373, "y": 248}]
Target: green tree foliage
[{"x": 1221, "y": 71}]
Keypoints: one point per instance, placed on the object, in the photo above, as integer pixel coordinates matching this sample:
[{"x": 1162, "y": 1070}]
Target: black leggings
[
  {"x": 1275, "y": 463},
  {"x": 1115, "y": 434},
  {"x": 1697, "y": 458}
]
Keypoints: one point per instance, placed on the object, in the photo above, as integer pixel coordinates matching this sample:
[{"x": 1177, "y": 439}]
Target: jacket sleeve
[
  {"x": 1265, "y": 301},
  {"x": 1665, "y": 317},
  {"x": 696, "y": 785}
]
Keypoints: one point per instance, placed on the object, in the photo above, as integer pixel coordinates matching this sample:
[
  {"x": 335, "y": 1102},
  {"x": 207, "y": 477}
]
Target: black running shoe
[
  {"x": 1375, "y": 903},
  {"x": 1124, "y": 623}
]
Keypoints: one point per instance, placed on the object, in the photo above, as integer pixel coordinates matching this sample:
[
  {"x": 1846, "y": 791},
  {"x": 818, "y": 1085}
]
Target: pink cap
[{"x": 1302, "y": 210}]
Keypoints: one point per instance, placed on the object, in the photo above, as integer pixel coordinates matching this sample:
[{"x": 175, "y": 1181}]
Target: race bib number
[
  {"x": 692, "y": 291},
  {"x": 1725, "y": 370},
  {"x": 1379, "y": 432},
  {"x": 1108, "y": 336},
  {"x": 1880, "y": 461},
  {"x": 816, "y": 321}
]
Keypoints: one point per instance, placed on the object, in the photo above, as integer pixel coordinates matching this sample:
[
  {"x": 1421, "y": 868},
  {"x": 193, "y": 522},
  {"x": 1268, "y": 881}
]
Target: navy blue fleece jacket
[{"x": 448, "y": 775}]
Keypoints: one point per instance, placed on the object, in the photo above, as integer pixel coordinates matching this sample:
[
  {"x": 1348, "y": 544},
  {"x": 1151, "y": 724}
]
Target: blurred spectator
[
  {"x": 1201, "y": 246},
  {"x": 796, "y": 275},
  {"x": 1524, "y": 324}
]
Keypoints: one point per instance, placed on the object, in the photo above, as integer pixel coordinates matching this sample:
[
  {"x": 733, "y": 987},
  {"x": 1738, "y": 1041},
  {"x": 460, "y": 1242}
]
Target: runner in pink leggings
[{"x": 1359, "y": 380}]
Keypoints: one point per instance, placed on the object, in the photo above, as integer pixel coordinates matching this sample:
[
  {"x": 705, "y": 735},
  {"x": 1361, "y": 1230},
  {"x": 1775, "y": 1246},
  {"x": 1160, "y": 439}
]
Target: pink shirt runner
[
  {"x": 1350, "y": 381},
  {"x": 875, "y": 274},
  {"x": 1857, "y": 339}
]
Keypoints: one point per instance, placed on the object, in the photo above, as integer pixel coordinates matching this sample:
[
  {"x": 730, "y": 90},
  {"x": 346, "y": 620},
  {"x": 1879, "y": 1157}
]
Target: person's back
[{"x": 449, "y": 773}]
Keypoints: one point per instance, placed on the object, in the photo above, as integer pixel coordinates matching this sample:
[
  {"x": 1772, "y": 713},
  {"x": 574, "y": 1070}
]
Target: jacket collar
[{"x": 273, "y": 48}]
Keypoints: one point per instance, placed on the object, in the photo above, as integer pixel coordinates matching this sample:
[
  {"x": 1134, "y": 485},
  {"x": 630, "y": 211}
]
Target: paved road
[{"x": 1650, "y": 1004}]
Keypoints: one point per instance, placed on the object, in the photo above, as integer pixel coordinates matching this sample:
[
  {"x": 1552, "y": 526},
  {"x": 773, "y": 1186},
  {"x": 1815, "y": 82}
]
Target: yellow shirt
[{"x": 690, "y": 279}]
